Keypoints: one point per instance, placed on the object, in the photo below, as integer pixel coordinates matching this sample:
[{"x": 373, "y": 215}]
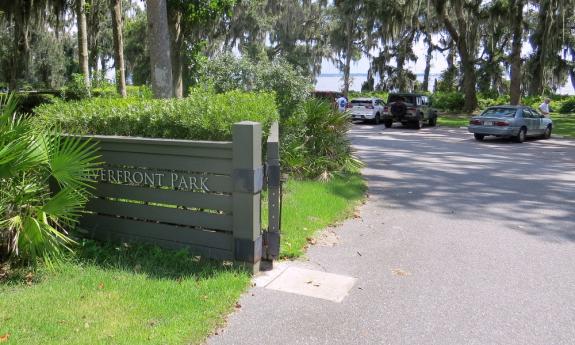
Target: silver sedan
[{"x": 517, "y": 122}]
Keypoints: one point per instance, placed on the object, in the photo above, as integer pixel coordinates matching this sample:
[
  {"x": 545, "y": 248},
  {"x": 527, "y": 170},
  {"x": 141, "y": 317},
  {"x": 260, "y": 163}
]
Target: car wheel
[
  {"x": 547, "y": 133},
  {"x": 479, "y": 137},
  {"x": 433, "y": 121},
  {"x": 419, "y": 123},
  {"x": 520, "y": 137},
  {"x": 388, "y": 123},
  {"x": 377, "y": 119}
]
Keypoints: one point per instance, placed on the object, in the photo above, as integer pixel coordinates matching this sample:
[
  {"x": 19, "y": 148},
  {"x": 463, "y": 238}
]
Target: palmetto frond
[{"x": 33, "y": 217}]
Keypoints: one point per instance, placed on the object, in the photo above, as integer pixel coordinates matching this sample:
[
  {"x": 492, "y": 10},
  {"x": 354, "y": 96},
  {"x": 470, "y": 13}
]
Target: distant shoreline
[{"x": 331, "y": 75}]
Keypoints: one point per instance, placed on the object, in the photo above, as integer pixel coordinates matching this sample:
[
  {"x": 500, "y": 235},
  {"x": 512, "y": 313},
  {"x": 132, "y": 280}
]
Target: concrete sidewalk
[{"x": 459, "y": 243}]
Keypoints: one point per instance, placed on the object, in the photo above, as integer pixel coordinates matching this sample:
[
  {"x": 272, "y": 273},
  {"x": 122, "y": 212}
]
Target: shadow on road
[{"x": 527, "y": 187}]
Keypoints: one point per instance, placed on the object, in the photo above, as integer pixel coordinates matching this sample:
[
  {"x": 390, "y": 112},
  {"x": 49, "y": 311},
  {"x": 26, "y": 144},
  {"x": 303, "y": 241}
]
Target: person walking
[
  {"x": 544, "y": 107},
  {"x": 342, "y": 103}
]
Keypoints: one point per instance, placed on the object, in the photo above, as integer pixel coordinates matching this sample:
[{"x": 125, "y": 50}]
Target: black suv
[{"x": 409, "y": 109}]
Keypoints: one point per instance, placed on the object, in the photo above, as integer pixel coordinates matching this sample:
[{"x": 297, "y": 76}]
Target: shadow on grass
[
  {"x": 151, "y": 260},
  {"x": 350, "y": 186}
]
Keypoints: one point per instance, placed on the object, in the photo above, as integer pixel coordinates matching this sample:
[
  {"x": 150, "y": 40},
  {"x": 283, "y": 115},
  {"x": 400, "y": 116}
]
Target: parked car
[
  {"x": 409, "y": 109},
  {"x": 366, "y": 109},
  {"x": 517, "y": 122}
]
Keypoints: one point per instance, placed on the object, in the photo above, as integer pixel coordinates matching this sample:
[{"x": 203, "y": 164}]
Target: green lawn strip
[
  {"x": 121, "y": 295},
  {"x": 309, "y": 206},
  {"x": 453, "y": 120},
  {"x": 563, "y": 124}
]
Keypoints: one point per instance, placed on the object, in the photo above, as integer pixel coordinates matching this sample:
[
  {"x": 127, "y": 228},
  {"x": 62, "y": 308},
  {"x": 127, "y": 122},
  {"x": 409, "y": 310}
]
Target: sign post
[{"x": 247, "y": 183}]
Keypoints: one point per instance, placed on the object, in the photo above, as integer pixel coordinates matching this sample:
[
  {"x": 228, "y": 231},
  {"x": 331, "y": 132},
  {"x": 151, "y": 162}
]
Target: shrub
[
  {"x": 227, "y": 72},
  {"x": 450, "y": 101},
  {"x": 109, "y": 91},
  {"x": 559, "y": 103},
  {"x": 567, "y": 106},
  {"x": 76, "y": 89},
  {"x": 314, "y": 141},
  {"x": 486, "y": 101},
  {"x": 201, "y": 116},
  {"x": 33, "y": 219},
  {"x": 372, "y": 94}
]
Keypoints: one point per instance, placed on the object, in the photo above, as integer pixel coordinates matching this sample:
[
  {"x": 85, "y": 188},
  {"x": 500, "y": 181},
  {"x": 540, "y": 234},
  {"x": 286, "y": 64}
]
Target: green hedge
[
  {"x": 201, "y": 116},
  {"x": 485, "y": 102},
  {"x": 452, "y": 101}
]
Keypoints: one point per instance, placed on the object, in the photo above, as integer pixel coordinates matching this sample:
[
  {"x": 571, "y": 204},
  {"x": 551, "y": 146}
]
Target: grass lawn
[
  {"x": 118, "y": 294},
  {"x": 563, "y": 124},
  {"x": 309, "y": 206}
]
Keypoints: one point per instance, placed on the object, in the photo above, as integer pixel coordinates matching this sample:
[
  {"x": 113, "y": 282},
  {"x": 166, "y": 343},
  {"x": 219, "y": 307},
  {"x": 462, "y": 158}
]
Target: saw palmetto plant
[{"x": 44, "y": 185}]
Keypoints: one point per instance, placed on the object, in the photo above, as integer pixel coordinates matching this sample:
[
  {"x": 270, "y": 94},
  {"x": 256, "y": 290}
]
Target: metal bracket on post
[{"x": 271, "y": 237}]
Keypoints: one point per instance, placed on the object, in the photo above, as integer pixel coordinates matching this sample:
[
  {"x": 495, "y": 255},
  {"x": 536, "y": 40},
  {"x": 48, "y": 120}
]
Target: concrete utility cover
[{"x": 301, "y": 281}]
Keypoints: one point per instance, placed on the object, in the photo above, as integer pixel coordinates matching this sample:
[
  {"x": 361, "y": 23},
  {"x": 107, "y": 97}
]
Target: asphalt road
[{"x": 460, "y": 242}]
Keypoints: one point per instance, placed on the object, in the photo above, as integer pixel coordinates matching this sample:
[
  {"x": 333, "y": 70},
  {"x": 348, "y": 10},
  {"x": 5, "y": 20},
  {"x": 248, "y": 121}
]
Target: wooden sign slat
[
  {"x": 162, "y": 214},
  {"x": 166, "y": 196},
  {"x": 129, "y": 227}
]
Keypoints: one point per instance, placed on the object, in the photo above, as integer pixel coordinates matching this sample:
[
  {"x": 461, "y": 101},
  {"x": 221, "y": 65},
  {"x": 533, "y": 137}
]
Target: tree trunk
[
  {"x": 538, "y": 62},
  {"x": 400, "y": 60},
  {"x": 515, "y": 83},
  {"x": 467, "y": 59},
  {"x": 21, "y": 47},
  {"x": 116, "y": 9},
  {"x": 571, "y": 69},
  {"x": 93, "y": 62},
  {"x": 159, "y": 45},
  {"x": 83, "y": 41},
  {"x": 15, "y": 63},
  {"x": 348, "y": 53},
  {"x": 428, "y": 56},
  {"x": 177, "y": 45},
  {"x": 469, "y": 81}
]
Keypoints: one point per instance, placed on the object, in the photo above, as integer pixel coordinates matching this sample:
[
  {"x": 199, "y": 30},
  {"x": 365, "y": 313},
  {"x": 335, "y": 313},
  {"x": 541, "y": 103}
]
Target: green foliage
[
  {"x": 375, "y": 94},
  {"x": 110, "y": 91},
  {"x": 485, "y": 102},
  {"x": 567, "y": 106},
  {"x": 33, "y": 219},
  {"x": 228, "y": 72},
  {"x": 28, "y": 101},
  {"x": 314, "y": 141},
  {"x": 557, "y": 104},
  {"x": 136, "y": 53},
  {"x": 450, "y": 101},
  {"x": 76, "y": 88},
  {"x": 447, "y": 81},
  {"x": 201, "y": 116}
]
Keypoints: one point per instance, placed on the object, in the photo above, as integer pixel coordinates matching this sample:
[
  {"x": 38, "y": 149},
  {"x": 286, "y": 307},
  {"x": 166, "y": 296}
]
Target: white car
[{"x": 366, "y": 109}]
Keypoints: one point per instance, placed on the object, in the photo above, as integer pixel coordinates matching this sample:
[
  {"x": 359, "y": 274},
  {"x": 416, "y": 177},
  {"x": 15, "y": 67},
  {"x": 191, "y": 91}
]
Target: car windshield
[
  {"x": 402, "y": 98},
  {"x": 363, "y": 102},
  {"x": 499, "y": 112}
]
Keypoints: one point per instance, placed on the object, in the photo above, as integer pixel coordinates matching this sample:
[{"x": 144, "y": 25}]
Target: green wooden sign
[{"x": 203, "y": 196}]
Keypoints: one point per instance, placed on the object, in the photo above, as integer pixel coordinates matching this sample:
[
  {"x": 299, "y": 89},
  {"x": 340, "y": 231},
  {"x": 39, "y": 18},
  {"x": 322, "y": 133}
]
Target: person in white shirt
[
  {"x": 341, "y": 103},
  {"x": 544, "y": 107}
]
